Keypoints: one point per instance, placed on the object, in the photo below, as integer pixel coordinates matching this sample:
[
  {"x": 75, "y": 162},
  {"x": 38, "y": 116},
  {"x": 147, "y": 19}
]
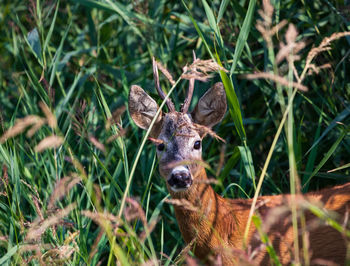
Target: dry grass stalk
[
  {"x": 274, "y": 216},
  {"x": 94, "y": 247},
  {"x": 184, "y": 252},
  {"x": 58, "y": 255},
  {"x": 62, "y": 187},
  {"x": 38, "y": 229},
  {"x": 207, "y": 181},
  {"x": 98, "y": 196},
  {"x": 97, "y": 144},
  {"x": 148, "y": 230},
  {"x": 1, "y": 120},
  {"x": 335, "y": 36},
  {"x": 49, "y": 142},
  {"x": 134, "y": 211},
  {"x": 182, "y": 203},
  {"x": 190, "y": 261},
  {"x": 104, "y": 220},
  {"x": 201, "y": 69},
  {"x": 4, "y": 181},
  {"x": 280, "y": 80},
  {"x": 291, "y": 47},
  {"x": 20, "y": 126},
  {"x": 38, "y": 209},
  {"x": 221, "y": 160},
  {"x": 80, "y": 118},
  {"x": 346, "y": 223},
  {"x": 51, "y": 119},
  {"x": 324, "y": 46},
  {"x": 267, "y": 11},
  {"x": 122, "y": 132},
  {"x": 37, "y": 249},
  {"x": 316, "y": 69},
  {"x": 115, "y": 116},
  {"x": 32, "y": 188},
  {"x": 4, "y": 238},
  {"x": 152, "y": 262},
  {"x": 264, "y": 25},
  {"x": 267, "y": 32},
  {"x": 166, "y": 73},
  {"x": 323, "y": 262},
  {"x": 216, "y": 260},
  {"x": 206, "y": 130},
  {"x": 156, "y": 141},
  {"x": 71, "y": 238}
]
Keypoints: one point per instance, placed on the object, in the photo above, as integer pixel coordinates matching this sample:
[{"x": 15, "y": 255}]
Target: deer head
[{"x": 179, "y": 134}]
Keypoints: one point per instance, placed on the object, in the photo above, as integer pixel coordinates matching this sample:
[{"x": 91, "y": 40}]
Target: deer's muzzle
[{"x": 180, "y": 179}]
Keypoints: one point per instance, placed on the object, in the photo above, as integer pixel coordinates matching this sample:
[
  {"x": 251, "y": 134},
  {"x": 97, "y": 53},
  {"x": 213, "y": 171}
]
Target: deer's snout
[{"x": 180, "y": 179}]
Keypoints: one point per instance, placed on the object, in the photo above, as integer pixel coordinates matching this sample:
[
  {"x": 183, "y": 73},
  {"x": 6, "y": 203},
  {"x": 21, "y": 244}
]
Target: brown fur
[
  {"x": 216, "y": 225},
  {"x": 219, "y": 225}
]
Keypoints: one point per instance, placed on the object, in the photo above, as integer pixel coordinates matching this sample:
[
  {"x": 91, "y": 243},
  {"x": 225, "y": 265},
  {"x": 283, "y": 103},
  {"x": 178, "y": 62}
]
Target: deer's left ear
[
  {"x": 143, "y": 109},
  {"x": 211, "y": 108}
]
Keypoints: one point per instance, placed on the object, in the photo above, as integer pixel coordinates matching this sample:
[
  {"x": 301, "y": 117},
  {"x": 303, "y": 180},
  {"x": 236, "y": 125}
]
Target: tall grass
[{"x": 78, "y": 180}]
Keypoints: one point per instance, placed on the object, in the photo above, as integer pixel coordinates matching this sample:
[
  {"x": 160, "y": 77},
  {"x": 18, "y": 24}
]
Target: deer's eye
[
  {"x": 161, "y": 147},
  {"x": 197, "y": 145}
]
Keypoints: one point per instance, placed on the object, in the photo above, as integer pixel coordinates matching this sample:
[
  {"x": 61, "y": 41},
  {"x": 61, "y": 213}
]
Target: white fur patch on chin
[{"x": 178, "y": 189}]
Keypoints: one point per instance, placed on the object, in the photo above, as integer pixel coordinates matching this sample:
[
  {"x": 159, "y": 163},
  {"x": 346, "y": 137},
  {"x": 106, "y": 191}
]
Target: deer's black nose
[{"x": 180, "y": 180}]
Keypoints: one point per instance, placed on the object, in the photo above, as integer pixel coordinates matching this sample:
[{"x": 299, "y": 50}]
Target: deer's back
[{"x": 324, "y": 243}]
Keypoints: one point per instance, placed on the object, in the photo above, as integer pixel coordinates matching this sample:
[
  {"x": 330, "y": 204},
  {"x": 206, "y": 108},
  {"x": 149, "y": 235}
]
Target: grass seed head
[
  {"x": 4, "y": 181},
  {"x": 37, "y": 229},
  {"x": 201, "y": 69},
  {"x": 134, "y": 211},
  {"x": 49, "y": 142},
  {"x": 203, "y": 130},
  {"x": 97, "y": 144},
  {"x": 62, "y": 187},
  {"x": 50, "y": 117},
  {"x": 182, "y": 203},
  {"x": 115, "y": 118},
  {"x": 280, "y": 80},
  {"x": 20, "y": 126}
]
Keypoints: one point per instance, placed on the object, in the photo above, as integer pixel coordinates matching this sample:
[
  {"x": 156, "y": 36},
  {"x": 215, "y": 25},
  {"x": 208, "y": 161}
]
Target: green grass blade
[
  {"x": 34, "y": 42},
  {"x": 212, "y": 22},
  {"x": 247, "y": 161},
  {"x": 7, "y": 257},
  {"x": 312, "y": 157},
  {"x": 198, "y": 30},
  {"x": 222, "y": 9},
  {"x": 327, "y": 155},
  {"x": 243, "y": 34},
  {"x": 234, "y": 107},
  {"x": 335, "y": 122},
  {"x": 49, "y": 34},
  {"x": 340, "y": 168}
]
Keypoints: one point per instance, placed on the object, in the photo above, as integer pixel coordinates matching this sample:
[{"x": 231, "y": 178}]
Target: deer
[{"x": 216, "y": 226}]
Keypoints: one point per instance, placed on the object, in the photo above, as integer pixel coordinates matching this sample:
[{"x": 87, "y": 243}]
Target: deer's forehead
[{"x": 177, "y": 125}]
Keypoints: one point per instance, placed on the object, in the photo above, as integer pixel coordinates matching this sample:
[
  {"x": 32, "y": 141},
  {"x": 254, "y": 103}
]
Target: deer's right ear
[{"x": 143, "y": 109}]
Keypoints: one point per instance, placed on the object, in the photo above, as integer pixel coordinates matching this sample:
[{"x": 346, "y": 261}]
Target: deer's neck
[{"x": 206, "y": 218}]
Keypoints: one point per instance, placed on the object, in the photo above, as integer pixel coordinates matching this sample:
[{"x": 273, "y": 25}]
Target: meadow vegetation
[{"x": 79, "y": 181}]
